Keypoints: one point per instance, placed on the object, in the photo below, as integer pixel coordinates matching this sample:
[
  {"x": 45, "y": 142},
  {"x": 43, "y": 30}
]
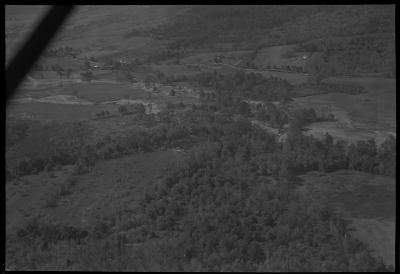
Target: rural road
[{"x": 210, "y": 65}]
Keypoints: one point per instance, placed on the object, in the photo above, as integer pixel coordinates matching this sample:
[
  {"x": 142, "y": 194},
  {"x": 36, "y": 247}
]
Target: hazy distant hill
[
  {"x": 276, "y": 24},
  {"x": 354, "y": 38}
]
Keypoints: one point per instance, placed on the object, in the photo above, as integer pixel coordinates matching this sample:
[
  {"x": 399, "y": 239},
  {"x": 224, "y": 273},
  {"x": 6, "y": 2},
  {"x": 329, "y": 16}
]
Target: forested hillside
[
  {"x": 208, "y": 24},
  {"x": 352, "y": 38}
]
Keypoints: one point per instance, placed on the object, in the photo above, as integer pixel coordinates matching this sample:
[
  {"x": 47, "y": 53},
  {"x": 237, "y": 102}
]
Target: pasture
[
  {"x": 278, "y": 56},
  {"x": 65, "y": 100},
  {"x": 57, "y": 112},
  {"x": 373, "y": 110},
  {"x": 101, "y": 92},
  {"x": 361, "y": 116}
]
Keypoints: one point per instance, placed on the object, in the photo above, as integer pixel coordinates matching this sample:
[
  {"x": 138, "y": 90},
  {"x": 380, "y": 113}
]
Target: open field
[
  {"x": 378, "y": 234},
  {"x": 101, "y": 92},
  {"x": 57, "y": 112},
  {"x": 339, "y": 131},
  {"x": 95, "y": 91},
  {"x": 356, "y": 114},
  {"x": 367, "y": 110},
  {"x": 279, "y": 56},
  {"x": 80, "y": 102},
  {"x": 361, "y": 116},
  {"x": 49, "y": 134},
  {"x": 367, "y": 201}
]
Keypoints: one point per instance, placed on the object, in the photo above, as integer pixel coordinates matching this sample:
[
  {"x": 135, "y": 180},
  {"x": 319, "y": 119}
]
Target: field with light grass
[{"x": 367, "y": 201}]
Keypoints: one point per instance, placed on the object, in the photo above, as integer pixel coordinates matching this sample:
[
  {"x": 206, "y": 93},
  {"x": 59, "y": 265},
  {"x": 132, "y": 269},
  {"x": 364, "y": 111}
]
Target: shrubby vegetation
[
  {"x": 43, "y": 146},
  {"x": 115, "y": 64},
  {"x": 16, "y": 130},
  {"x": 314, "y": 87},
  {"x": 87, "y": 76},
  {"x": 103, "y": 114},
  {"x": 279, "y": 24},
  {"x": 354, "y": 55},
  {"x": 229, "y": 205},
  {"x": 352, "y": 89},
  {"x": 62, "y": 52},
  {"x": 184, "y": 128},
  {"x": 305, "y": 153},
  {"x": 225, "y": 217},
  {"x": 64, "y": 189},
  {"x": 230, "y": 24},
  {"x": 238, "y": 85}
]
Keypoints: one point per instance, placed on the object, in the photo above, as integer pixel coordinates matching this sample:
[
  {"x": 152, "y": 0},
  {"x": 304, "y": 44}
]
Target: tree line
[{"x": 300, "y": 153}]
